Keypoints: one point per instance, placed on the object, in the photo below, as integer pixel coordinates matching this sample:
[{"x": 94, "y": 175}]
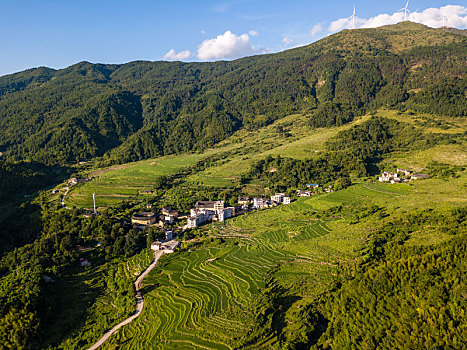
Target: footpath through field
[{"x": 139, "y": 303}]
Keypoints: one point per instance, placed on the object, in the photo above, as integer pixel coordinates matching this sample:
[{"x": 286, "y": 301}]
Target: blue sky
[{"x": 60, "y": 33}]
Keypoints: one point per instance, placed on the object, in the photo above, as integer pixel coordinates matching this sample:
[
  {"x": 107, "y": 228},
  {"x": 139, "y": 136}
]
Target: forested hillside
[{"x": 144, "y": 109}]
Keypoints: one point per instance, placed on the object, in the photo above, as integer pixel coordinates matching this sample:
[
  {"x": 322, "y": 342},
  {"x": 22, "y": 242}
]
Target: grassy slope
[
  {"x": 238, "y": 152},
  {"x": 128, "y": 182}
]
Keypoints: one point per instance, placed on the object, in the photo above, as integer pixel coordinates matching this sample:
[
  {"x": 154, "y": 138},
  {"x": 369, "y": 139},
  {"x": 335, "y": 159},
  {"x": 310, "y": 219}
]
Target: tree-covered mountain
[{"x": 145, "y": 109}]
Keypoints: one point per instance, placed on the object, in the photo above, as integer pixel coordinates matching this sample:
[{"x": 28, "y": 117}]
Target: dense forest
[
  {"x": 144, "y": 109},
  {"x": 404, "y": 296}
]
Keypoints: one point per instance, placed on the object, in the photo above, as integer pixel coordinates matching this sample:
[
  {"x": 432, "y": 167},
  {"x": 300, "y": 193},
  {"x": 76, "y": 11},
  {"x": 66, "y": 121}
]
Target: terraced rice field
[
  {"x": 128, "y": 182},
  {"x": 205, "y": 297},
  {"x": 202, "y": 298}
]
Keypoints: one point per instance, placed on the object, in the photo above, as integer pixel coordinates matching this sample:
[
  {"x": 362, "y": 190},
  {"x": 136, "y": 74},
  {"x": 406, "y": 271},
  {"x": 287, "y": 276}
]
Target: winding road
[
  {"x": 139, "y": 303},
  {"x": 64, "y": 196}
]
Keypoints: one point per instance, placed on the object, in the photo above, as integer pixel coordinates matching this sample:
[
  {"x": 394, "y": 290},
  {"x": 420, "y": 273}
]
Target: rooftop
[{"x": 143, "y": 215}]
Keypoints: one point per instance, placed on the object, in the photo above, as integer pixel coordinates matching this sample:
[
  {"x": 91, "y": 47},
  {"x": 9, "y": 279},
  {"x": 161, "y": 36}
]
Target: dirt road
[{"x": 139, "y": 303}]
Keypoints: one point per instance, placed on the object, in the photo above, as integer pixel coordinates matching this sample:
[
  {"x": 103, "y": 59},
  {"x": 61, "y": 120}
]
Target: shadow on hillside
[{"x": 149, "y": 288}]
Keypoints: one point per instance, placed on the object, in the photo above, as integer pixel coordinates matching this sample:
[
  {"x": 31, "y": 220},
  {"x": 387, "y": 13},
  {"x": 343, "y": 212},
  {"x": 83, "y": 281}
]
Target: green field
[
  {"x": 236, "y": 154},
  {"x": 130, "y": 181},
  {"x": 127, "y": 182}
]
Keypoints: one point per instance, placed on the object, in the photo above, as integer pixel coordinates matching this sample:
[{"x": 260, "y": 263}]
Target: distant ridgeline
[{"x": 145, "y": 109}]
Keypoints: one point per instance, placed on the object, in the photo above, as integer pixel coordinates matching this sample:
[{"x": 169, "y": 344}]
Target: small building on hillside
[
  {"x": 280, "y": 198},
  {"x": 192, "y": 222},
  {"x": 259, "y": 203},
  {"x": 304, "y": 193},
  {"x": 224, "y": 214},
  {"x": 156, "y": 245},
  {"x": 74, "y": 181},
  {"x": 168, "y": 211},
  {"x": 144, "y": 218},
  {"x": 404, "y": 171},
  {"x": 210, "y": 205},
  {"x": 386, "y": 176},
  {"x": 243, "y": 200},
  {"x": 312, "y": 185},
  {"x": 168, "y": 247}
]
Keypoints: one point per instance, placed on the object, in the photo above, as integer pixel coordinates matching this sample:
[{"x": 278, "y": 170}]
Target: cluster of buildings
[
  {"x": 144, "y": 219},
  {"x": 208, "y": 210},
  {"x": 278, "y": 198},
  {"x": 168, "y": 216},
  {"x": 401, "y": 175},
  {"x": 205, "y": 211}
]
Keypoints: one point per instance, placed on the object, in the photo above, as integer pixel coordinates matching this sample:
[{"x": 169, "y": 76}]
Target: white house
[
  {"x": 167, "y": 247},
  {"x": 278, "y": 197},
  {"x": 224, "y": 214},
  {"x": 192, "y": 222},
  {"x": 258, "y": 203},
  {"x": 387, "y": 176}
]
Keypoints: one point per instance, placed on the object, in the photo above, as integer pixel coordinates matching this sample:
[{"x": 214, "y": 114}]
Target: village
[
  {"x": 400, "y": 176},
  {"x": 171, "y": 223},
  {"x": 203, "y": 212}
]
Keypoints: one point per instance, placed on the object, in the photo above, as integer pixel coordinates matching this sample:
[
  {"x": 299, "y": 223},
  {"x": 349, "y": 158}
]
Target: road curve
[
  {"x": 139, "y": 303},
  {"x": 64, "y": 196}
]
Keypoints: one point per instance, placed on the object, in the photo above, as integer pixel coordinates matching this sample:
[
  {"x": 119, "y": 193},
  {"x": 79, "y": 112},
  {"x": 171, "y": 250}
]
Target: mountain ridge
[{"x": 191, "y": 106}]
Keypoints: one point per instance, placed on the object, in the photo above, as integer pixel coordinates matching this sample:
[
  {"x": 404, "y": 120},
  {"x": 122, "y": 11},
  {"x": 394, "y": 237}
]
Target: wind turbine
[
  {"x": 405, "y": 9},
  {"x": 94, "y": 200},
  {"x": 353, "y": 17}
]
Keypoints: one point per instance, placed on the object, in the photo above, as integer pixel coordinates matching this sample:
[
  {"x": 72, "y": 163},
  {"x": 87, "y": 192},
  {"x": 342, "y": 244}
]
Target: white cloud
[
  {"x": 317, "y": 28},
  {"x": 203, "y": 32},
  {"x": 450, "y": 15},
  {"x": 287, "y": 41},
  {"x": 174, "y": 56},
  {"x": 227, "y": 46},
  {"x": 253, "y": 33}
]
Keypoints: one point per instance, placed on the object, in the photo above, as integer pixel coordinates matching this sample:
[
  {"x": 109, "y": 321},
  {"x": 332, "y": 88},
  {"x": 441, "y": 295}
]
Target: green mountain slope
[
  {"x": 371, "y": 265},
  {"x": 145, "y": 109}
]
